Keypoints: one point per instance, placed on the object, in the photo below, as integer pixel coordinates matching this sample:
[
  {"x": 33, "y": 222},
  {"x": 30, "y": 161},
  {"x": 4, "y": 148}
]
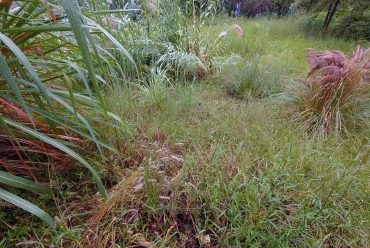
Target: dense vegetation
[{"x": 169, "y": 124}]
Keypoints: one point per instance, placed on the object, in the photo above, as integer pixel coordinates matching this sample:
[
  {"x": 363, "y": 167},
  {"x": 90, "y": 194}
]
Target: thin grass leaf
[
  {"x": 27, "y": 206},
  {"x": 80, "y": 75},
  {"x": 61, "y": 147},
  {"x": 7, "y": 74},
  {"x": 114, "y": 40},
  {"x": 69, "y": 85},
  {"x": 75, "y": 19},
  {"x": 37, "y": 29},
  {"x": 22, "y": 183},
  {"x": 79, "y": 116},
  {"x": 71, "y": 110},
  {"x": 63, "y": 123},
  {"x": 106, "y": 12},
  {"x": 24, "y": 60}
]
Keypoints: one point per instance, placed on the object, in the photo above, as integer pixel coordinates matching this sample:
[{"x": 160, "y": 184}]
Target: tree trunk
[{"x": 329, "y": 17}]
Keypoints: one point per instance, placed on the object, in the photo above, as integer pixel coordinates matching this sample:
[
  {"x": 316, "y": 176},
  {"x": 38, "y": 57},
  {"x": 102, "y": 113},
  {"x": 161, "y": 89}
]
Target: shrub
[
  {"x": 354, "y": 27},
  {"x": 336, "y": 92}
]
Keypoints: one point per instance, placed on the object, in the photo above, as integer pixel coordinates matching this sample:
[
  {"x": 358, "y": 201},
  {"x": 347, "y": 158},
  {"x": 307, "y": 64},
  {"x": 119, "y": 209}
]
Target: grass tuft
[{"x": 335, "y": 97}]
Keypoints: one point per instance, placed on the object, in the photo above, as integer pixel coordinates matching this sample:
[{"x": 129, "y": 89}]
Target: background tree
[
  {"x": 252, "y": 8},
  {"x": 348, "y": 10},
  {"x": 281, "y": 7}
]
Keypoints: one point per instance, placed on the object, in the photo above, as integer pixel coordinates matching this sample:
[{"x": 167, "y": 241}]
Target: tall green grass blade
[
  {"x": 7, "y": 74},
  {"x": 107, "y": 12},
  {"x": 17, "y": 13},
  {"x": 27, "y": 206},
  {"x": 22, "y": 183},
  {"x": 113, "y": 59},
  {"x": 114, "y": 41},
  {"x": 71, "y": 110},
  {"x": 24, "y": 60},
  {"x": 80, "y": 75},
  {"x": 75, "y": 19},
  {"x": 37, "y": 29},
  {"x": 63, "y": 123},
  {"x": 28, "y": 12},
  {"x": 69, "y": 85},
  {"x": 79, "y": 116},
  {"x": 61, "y": 147}
]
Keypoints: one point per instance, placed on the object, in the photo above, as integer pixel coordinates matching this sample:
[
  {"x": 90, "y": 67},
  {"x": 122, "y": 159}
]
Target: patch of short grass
[{"x": 247, "y": 177}]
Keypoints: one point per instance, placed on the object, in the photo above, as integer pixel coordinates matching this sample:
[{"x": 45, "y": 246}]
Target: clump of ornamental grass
[
  {"x": 255, "y": 79},
  {"x": 155, "y": 91},
  {"x": 182, "y": 64},
  {"x": 335, "y": 95}
]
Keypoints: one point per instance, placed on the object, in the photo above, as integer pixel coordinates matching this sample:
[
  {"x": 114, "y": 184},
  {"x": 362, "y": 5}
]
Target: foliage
[
  {"x": 183, "y": 65},
  {"x": 224, "y": 165},
  {"x": 336, "y": 92},
  {"x": 194, "y": 167},
  {"x": 52, "y": 79},
  {"x": 253, "y": 8},
  {"x": 155, "y": 91},
  {"x": 49, "y": 91},
  {"x": 352, "y": 17},
  {"x": 354, "y": 24},
  {"x": 256, "y": 79},
  {"x": 171, "y": 41},
  {"x": 281, "y": 7}
]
